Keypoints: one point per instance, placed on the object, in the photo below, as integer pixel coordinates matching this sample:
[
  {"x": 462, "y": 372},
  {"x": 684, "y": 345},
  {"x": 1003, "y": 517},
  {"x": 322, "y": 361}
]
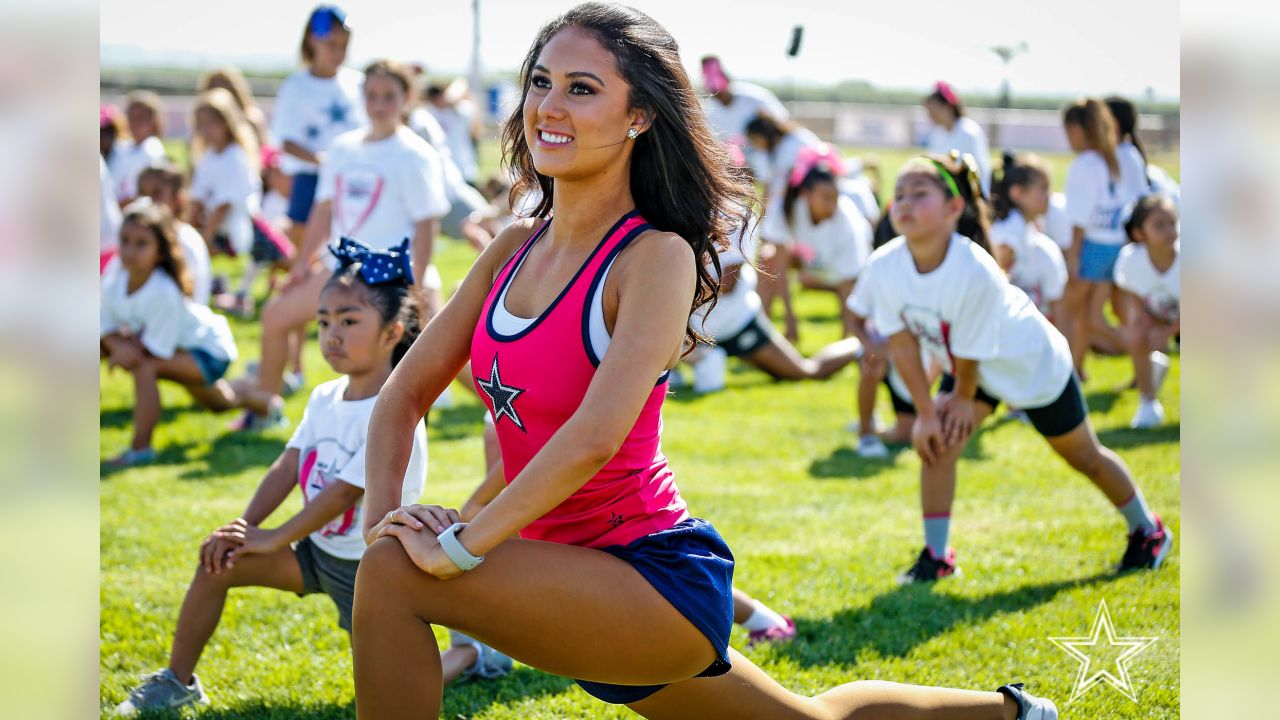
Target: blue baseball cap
[{"x": 324, "y": 18}]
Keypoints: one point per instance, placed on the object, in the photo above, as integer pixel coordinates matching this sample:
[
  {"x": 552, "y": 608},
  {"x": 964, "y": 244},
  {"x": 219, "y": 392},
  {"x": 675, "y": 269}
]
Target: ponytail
[
  {"x": 1099, "y": 125},
  {"x": 1016, "y": 171},
  {"x": 1126, "y": 116}
]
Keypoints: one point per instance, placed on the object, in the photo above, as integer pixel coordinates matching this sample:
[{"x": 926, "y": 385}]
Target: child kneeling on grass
[{"x": 370, "y": 313}]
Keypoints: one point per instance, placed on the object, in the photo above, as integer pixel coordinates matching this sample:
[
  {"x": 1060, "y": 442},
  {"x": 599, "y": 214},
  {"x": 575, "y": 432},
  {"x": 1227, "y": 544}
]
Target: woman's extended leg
[
  {"x": 748, "y": 693},
  {"x": 595, "y": 617}
]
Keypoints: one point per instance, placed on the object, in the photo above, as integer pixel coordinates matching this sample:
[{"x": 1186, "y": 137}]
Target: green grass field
[{"x": 818, "y": 533}]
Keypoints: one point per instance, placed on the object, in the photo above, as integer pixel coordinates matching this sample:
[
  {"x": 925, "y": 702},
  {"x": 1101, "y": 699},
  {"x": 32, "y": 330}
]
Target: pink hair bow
[
  {"x": 944, "y": 89},
  {"x": 811, "y": 156},
  {"x": 713, "y": 76}
]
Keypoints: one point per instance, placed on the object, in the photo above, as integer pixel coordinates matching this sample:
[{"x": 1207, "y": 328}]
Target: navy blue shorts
[
  {"x": 692, "y": 567},
  {"x": 301, "y": 196},
  {"x": 1057, "y": 418},
  {"x": 749, "y": 339},
  {"x": 212, "y": 368}
]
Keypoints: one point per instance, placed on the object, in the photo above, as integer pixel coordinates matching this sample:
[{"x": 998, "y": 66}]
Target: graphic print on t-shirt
[
  {"x": 357, "y": 190},
  {"x": 931, "y": 331},
  {"x": 314, "y": 477},
  {"x": 1162, "y": 306}
]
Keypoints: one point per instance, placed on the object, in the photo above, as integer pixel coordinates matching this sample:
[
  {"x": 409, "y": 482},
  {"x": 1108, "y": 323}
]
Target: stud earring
[{"x": 633, "y": 133}]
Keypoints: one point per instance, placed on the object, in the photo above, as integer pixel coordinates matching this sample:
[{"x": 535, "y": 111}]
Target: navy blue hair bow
[{"x": 376, "y": 266}]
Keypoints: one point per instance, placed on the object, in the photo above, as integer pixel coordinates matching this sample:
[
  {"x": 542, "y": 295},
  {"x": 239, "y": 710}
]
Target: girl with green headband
[{"x": 937, "y": 288}]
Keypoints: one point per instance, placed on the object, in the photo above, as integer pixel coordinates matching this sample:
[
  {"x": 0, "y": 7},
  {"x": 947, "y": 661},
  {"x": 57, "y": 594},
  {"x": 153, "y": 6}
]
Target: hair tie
[
  {"x": 713, "y": 76},
  {"x": 944, "y": 89},
  {"x": 947, "y": 177},
  {"x": 810, "y": 157},
  {"x": 376, "y": 266}
]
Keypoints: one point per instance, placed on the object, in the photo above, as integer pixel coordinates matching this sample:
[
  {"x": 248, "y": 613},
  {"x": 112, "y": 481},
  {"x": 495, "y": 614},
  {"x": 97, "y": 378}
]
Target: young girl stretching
[
  {"x": 152, "y": 328},
  {"x": 369, "y": 315},
  {"x": 937, "y": 287},
  {"x": 612, "y": 580},
  {"x": 1148, "y": 270}
]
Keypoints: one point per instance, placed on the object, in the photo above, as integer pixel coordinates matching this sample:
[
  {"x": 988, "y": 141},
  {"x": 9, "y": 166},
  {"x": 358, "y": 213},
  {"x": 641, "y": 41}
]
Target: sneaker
[
  {"x": 162, "y": 691},
  {"x": 489, "y": 665},
  {"x": 872, "y": 447},
  {"x": 928, "y": 568},
  {"x": 1030, "y": 707},
  {"x": 776, "y": 634},
  {"x": 1018, "y": 415},
  {"x": 1147, "y": 550},
  {"x": 129, "y": 458},
  {"x": 709, "y": 372},
  {"x": 293, "y": 382},
  {"x": 1150, "y": 414},
  {"x": 1159, "y": 369},
  {"x": 251, "y": 421}
]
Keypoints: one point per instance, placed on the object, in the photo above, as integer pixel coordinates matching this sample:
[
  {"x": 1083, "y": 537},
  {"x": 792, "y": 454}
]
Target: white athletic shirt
[
  {"x": 1056, "y": 223},
  {"x": 1038, "y": 268},
  {"x": 833, "y": 250},
  {"x": 966, "y": 136},
  {"x": 422, "y": 122},
  {"x": 380, "y": 189},
  {"x": 331, "y": 441},
  {"x": 859, "y": 303},
  {"x": 227, "y": 178},
  {"x": 456, "y": 122},
  {"x": 966, "y": 308},
  {"x": 1096, "y": 201},
  {"x": 730, "y": 121},
  {"x": 196, "y": 255},
  {"x": 783, "y": 159},
  {"x": 735, "y": 309},
  {"x": 1160, "y": 292},
  {"x": 311, "y": 111},
  {"x": 164, "y": 320},
  {"x": 109, "y": 216},
  {"x": 1133, "y": 170},
  {"x": 129, "y": 159}
]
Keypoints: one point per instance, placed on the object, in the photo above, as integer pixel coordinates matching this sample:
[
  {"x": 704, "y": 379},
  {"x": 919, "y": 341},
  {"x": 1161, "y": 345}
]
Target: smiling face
[
  {"x": 577, "y": 102},
  {"x": 353, "y": 338},
  {"x": 921, "y": 209}
]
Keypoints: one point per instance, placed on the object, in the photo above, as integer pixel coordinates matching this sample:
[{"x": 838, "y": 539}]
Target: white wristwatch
[{"x": 452, "y": 547}]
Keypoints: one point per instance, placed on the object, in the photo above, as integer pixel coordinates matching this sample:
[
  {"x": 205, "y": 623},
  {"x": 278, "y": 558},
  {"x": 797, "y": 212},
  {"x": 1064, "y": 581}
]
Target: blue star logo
[
  {"x": 313, "y": 132},
  {"x": 502, "y": 397},
  {"x": 337, "y": 113}
]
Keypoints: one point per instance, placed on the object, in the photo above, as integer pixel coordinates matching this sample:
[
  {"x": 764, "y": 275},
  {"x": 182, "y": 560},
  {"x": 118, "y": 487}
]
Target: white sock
[{"x": 763, "y": 618}]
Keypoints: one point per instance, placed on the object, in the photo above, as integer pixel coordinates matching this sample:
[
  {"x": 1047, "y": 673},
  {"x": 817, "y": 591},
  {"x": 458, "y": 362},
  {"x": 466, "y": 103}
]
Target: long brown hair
[
  {"x": 682, "y": 178},
  {"x": 164, "y": 227},
  {"x": 1092, "y": 116},
  {"x": 223, "y": 104}
]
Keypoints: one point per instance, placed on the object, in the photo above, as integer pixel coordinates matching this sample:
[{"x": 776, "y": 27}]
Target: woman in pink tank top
[{"x": 611, "y": 580}]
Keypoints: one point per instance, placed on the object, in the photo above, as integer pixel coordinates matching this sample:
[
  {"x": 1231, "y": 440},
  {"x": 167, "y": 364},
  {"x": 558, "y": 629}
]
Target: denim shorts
[
  {"x": 301, "y": 196},
  {"x": 691, "y": 566},
  {"x": 1098, "y": 260},
  {"x": 211, "y": 367}
]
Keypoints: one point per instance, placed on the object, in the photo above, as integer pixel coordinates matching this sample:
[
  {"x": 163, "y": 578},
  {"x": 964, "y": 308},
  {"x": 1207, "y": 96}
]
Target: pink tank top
[{"x": 534, "y": 380}]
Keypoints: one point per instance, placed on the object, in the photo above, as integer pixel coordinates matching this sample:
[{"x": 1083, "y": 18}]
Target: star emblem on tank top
[{"x": 502, "y": 397}]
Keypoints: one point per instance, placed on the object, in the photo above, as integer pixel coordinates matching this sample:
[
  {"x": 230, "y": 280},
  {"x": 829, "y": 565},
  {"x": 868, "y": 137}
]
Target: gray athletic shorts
[{"x": 333, "y": 576}]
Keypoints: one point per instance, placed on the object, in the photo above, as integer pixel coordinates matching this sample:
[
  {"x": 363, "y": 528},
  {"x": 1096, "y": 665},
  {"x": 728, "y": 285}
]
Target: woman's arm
[
  {"x": 426, "y": 370},
  {"x": 655, "y": 290}
]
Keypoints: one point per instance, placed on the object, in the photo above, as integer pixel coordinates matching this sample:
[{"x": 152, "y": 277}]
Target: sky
[{"x": 889, "y": 43}]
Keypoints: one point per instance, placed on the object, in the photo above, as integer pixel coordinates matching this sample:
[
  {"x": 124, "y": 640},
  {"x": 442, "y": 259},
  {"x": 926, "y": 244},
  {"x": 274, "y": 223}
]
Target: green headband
[{"x": 946, "y": 177}]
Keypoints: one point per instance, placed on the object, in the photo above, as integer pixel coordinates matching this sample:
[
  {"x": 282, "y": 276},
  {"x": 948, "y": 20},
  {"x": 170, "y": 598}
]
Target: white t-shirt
[
  {"x": 833, "y": 250},
  {"x": 784, "y": 158},
  {"x": 966, "y": 136},
  {"x": 227, "y": 178},
  {"x": 422, "y": 122},
  {"x": 1133, "y": 170},
  {"x": 128, "y": 160},
  {"x": 1096, "y": 202},
  {"x": 312, "y": 111},
  {"x": 1056, "y": 223},
  {"x": 109, "y": 217},
  {"x": 196, "y": 255},
  {"x": 380, "y": 189},
  {"x": 859, "y": 303},
  {"x": 966, "y": 308},
  {"x": 730, "y": 121},
  {"x": 1160, "y": 292},
  {"x": 331, "y": 441},
  {"x": 735, "y": 309},
  {"x": 1038, "y": 268},
  {"x": 164, "y": 319},
  {"x": 275, "y": 208},
  {"x": 456, "y": 122}
]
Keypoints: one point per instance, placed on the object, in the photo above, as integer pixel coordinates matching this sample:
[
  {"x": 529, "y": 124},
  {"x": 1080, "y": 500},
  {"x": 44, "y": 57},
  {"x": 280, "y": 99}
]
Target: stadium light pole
[
  {"x": 475, "y": 79},
  {"x": 1006, "y": 53}
]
